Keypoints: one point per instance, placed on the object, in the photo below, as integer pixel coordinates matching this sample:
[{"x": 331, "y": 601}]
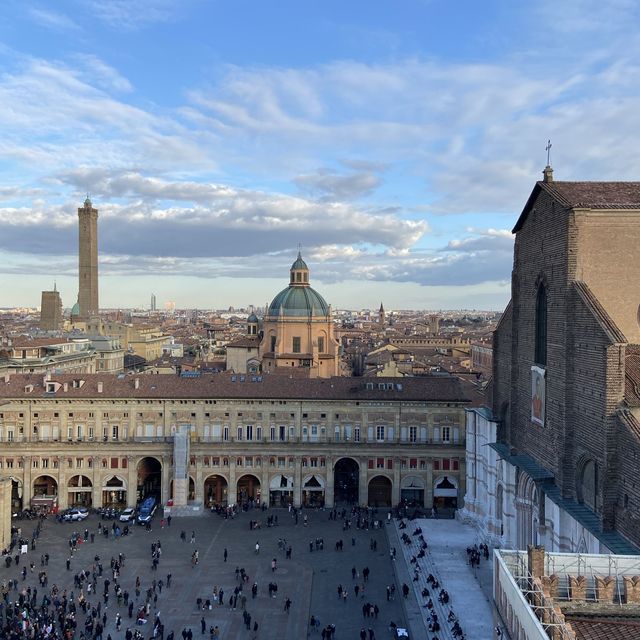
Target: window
[
  {"x": 114, "y": 432},
  {"x": 314, "y": 462},
  {"x": 321, "y": 345},
  {"x": 259, "y": 433},
  {"x": 380, "y": 433},
  {"x": 273, "y": 343},
  {"x": 413, "y": 434},
  {"x": 225, "y": 434},
  {"x": 336, "y": 436},
  {"x": 249, "y": 432},
  {"x": 239, "y": 434},
  {"x": 296, "y": 345},
  {"x": 272, "y": 434},
  {"x": 413, "y": 463},
  {"x": 78, "y": 463},
  {"x": 540, "y": 355},
  {"x": 380, "y": 463},
  {"x": 446, "y": 434},
  {"x": 356, "y": 434}
]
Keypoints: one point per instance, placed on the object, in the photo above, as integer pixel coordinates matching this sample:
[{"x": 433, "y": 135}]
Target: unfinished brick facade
[{"x": 579, "y": 241}]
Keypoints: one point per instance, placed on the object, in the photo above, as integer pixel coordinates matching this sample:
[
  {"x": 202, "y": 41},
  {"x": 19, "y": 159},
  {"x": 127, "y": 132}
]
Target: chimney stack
[
  {"x": 136, "y": 383},
  {"x": 547, "y": 174}
]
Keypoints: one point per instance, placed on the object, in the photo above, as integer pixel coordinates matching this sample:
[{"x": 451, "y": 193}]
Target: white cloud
[{"x": 52, "y": 19}]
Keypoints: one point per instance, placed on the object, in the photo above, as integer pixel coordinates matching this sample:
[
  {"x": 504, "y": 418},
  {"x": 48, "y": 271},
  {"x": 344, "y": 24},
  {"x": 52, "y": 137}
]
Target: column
[
  {"x": 428, "y": 492},
  {"x": 166, "y": 479},
  {"x": 27, "y": 489},
  {"x": 132, "y": 482},
  {"x": 232, "y": 489},
  {"x": 297, "y": 482},
  {"x": 264, "y": 481},
  {"x": 329, "y": 486},
  {"x": 395, "y": 489},
  {"x": 363, "y": 482},
  {"x": 96, "y": 481}
]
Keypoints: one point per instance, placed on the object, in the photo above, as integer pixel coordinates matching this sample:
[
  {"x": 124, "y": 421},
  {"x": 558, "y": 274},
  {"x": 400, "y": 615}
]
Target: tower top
[{"x": 547, "y": 174}]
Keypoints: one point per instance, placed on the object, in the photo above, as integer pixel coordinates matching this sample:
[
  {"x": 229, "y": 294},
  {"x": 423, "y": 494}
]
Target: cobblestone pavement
[{"x": 310, "y": 578}]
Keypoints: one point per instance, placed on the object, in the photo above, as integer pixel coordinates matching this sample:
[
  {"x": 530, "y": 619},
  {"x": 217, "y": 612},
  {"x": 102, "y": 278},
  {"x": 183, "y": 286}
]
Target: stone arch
[
  {"x": 16, "y": 493},
  {"x": 45, "y": 485},
  {"x": 216, "y": 490},
  {"x": 527, "y": 511},
  {"x": 380, "y": 489},
  {"x": 587, "y": 482},
  {"x": 80, "y": 491},
  {"x": 248, "y": 489},
  {"x": 412, "y": 491},
  {"x": 114, "y": 491},
  {"x": 149, "y": 477},
  {"x": 346, "y": 481},
  {"x": 445, "y": 491}
]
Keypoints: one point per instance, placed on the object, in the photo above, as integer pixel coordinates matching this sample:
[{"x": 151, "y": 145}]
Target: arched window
[{"x": 540, "y": 355}]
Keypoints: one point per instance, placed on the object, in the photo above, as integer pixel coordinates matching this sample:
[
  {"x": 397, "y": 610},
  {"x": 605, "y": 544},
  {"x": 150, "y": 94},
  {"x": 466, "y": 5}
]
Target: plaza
[{"x": 310, "y": 578}]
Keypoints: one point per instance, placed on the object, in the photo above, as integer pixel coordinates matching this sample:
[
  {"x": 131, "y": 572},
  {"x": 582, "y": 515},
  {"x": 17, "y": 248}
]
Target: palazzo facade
[{"x": 111, "y": 440}]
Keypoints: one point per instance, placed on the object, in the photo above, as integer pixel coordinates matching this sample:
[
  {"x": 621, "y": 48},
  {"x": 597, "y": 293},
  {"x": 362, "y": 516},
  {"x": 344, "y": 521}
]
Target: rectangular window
[
  {"x": 259, "y": 433},
  {"x": 282, "y": 433},
  {"x": 296, "y": 344},
  {"x": 413, "y": 463},
  {"x": 446, "y": 434},
  {"x": 45, "y": 463},
  {"x": 413, "y": 434},
  {"x": 273, "y": 343},
  {"x": 114, "y": 432},
  {"x": 321, "y": 344},
  {"x": 436, "y": 465},
  {"x": 249, "y": 432},
  {"x": 380, "y": 463},
  {"x": 225, "y": 433},
  {"x": 455, "y": 465},
  {"x": 239, "y": 433},
  {"x": 336, "y": 434},
  {"x": 356, "y": 434},
  {"x": 380, "y": 433},
  {"x": 389, "y": 463},
  {"x": 370, "y": 463},
  {"x": 314, "y": 462},
  {"x": 445, "y": 464},
  {"x": 78, "y": 463}
]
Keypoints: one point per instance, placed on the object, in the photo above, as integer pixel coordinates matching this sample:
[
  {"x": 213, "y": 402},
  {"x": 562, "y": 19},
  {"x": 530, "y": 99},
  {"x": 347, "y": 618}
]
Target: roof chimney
[
  {"x": 547, "y": 174},
  {"x": 136, "y": 383},
  {"x": 99, "y": 387}
]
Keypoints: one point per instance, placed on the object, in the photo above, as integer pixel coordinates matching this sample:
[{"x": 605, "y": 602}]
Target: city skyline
[{"x": 395, "y": 147}]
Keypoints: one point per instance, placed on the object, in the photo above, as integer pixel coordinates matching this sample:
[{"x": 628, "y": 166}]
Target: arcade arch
[
  {"x": 346, "y": 481},
  {"x": 149, "y": 478},
  {"x": 379, "y": 494},
  {"x": 79, "y": 491},
  {"x": 216, "y": 491},
  {"x": 248, "y": 489}
]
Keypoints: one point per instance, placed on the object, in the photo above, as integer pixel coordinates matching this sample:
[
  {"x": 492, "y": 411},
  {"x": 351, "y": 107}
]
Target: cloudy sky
[{"x": 396, "y": 141}]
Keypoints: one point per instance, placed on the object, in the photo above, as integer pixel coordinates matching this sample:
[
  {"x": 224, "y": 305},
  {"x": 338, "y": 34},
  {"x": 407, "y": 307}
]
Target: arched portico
[
  {"x": 313, "y": 491},
  {"x": 149, "y": 478},
  {"x": 379, "y": 491},
  {"x": 216, "y": 490},
  {"x": 114, "y": 492},
  {"x": 412, "y": 491},
  {"x": 445, "y": 492},
  {"x": 45, "y": 492},
  {"x": 248, "y": 489},
  {"x": 346, "y": 481},
  {"x": 79, "y": 491},
  {"x": 281, "y": 490}
]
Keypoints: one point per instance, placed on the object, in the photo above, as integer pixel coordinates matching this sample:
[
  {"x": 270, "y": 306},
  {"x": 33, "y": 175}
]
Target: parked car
[
  {"x": 74, "y": 515},
  {"x": 128, "y": 515}
]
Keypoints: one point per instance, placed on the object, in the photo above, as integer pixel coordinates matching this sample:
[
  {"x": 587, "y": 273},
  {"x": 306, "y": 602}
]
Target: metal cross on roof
[{"x": 548, "y": 150}]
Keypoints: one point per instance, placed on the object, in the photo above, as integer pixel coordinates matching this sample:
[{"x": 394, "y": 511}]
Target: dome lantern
[{"x": 299, "y": 273}]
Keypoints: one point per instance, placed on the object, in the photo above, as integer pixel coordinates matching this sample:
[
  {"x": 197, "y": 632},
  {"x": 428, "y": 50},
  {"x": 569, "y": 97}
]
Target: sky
[{"x": 395, "y": 142}]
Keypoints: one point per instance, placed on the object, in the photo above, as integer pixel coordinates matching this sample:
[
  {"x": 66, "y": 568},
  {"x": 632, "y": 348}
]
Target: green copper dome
[
  {"x": 253, "y": 318},
  {"x": 75, "y": 310},
  {"x": 299, "y": 263},
  {"x": 298, "y": 302}
]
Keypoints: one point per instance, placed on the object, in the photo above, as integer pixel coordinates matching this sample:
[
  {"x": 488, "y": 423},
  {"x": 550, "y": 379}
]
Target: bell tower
[{"x": 88, "y": 261}]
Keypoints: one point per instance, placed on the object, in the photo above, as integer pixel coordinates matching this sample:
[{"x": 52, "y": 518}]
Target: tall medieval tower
[{"x": 88, "y": 261}]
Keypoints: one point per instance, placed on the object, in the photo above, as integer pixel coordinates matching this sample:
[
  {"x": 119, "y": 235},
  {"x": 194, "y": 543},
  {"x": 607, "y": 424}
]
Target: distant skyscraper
[
  {"x": 88, "y": 261},
  {"x": 51, "y": 310},
  {"x": 153, "y": 302}
]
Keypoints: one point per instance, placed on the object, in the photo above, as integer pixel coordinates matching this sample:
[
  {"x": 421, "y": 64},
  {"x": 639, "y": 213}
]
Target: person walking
[{"x": 225, "y": 554}]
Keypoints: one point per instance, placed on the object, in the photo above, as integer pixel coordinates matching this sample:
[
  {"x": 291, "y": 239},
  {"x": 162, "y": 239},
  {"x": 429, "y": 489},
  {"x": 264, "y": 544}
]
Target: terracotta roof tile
[{"x": 224, "y": 385}]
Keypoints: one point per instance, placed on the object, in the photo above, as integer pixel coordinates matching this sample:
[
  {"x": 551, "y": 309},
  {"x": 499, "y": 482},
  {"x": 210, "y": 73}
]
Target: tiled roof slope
[
  {"x": 604, "y": 628},
  {"x": 427, "y": 388},
  {"x": 586, "y": 195}
]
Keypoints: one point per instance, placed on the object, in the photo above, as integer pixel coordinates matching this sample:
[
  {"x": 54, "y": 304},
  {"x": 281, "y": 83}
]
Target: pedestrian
[
  {"x": 193, "y": 537},
  {"x": 203, "y": 625},
  {"x": 225, "y": 554}
]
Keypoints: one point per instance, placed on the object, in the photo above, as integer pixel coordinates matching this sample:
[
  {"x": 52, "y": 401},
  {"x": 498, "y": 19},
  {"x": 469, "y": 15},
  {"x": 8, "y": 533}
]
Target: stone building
[
  {"x": 88, "y": 261},
  {"x": 51, "y": 311},
  {"x": 98, "y": 440},
  {"x": 563, "y": 440}
]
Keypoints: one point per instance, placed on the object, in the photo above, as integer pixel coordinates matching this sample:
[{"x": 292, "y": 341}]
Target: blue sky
[{"x": 395, "y": 141}]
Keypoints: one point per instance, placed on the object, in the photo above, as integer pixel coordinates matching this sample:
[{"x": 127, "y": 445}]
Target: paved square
[{"x": 310, "y": 578}]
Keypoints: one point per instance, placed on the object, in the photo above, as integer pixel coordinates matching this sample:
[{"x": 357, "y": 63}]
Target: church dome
[
  {"x": 75, "y": 310},
  {"x": 299, "y": 302},
  {"x": 253, "y": 318}
]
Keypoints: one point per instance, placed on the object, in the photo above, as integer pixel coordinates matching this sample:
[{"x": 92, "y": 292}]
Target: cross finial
[
  {"x": 548, "y": 150},
  {"x": 299, "y": 249}
]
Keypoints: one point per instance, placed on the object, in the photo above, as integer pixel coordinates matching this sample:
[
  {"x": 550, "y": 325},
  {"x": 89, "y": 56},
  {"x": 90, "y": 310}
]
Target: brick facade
[{"x": 579, "y": 240}]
